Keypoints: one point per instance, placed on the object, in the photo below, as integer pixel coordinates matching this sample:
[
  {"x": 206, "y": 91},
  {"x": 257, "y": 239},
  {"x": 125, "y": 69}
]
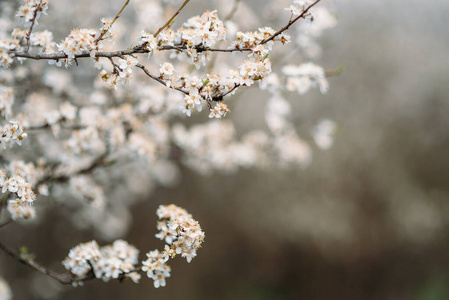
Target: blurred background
[{"x": 367, "y": 219}]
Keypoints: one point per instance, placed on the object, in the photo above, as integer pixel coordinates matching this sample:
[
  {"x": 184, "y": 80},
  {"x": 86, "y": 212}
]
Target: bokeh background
[{"x": 368, "y": 219}]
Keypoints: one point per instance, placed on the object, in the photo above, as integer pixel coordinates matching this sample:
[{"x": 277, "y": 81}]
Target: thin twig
[
  {"x": 233, "y": 10},
  {"x": 112, "y": 23},
  {"x": 147, "y": 72},
  {"x": 27, "y": 47},
  {"x": 64, "y": 278},
  {"x": 290, "y": 23},
  {"x": 228, "y": 92},
  {"x": 171, "y": 19},
  {"x": 6, "y": 223},
  {"x": 98, "y": 162}
]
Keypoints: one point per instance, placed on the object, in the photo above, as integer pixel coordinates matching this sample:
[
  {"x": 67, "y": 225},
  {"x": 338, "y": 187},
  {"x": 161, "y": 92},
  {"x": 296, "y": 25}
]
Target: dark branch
[
  {"x": 27, "y": 47},
  {"x": 6, "y": 223},
  {"x": 171, "y": 19},
  {"x": 290, "y": 23},
  {"x": 112, "y": 23},
  {"x": 147, "y": 72},
  {"x": 64, "y": 278}
]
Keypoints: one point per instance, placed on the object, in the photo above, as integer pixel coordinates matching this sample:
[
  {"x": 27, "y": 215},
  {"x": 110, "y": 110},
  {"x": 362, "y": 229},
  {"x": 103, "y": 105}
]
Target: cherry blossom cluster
[
  {"x": 148, "y": 41},
  {"x": 32, "y": 173},
  {"x": 19, "y": 208},
  {"x": 305, "y": 76},
  {"x": 298, "y": 8},
  {"x": 156, "y": 268},
  {"x": 17, "y": 184},
  {"x": 219, "y": 110},
  {"x": 180, "y": 231},
  {"x": 199, "y": 32},
  {"x": 42, "y": 40},
  {"x": 31, "y": 11},
  {"x": 25, "y": 175},
  {"x": 5, "y": 58},
  {"x": 182, "y": 234},
  {"x": 11, "y": 133},
  {"x": 251, "y": 40},
  {"x": 79, "y": 41},
  {"x": 120, "y": 260},
  {"x": 215, "y": 86},
  {"x": 206, "y": 30},
  {"x": 81, "y": 258},
  {"x": 196, "y": 32}
]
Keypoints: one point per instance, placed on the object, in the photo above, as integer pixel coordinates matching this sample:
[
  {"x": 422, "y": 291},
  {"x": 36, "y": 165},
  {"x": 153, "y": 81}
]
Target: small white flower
[{"x": 127, "y": 65}]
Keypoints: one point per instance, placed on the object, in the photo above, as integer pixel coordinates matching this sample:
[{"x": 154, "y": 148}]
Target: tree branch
[
  {"x": 233, "y": 10},
  {"x": 112, "y": 23},
  {"x": 171, "y": 19},
  {"x": 99, "y": 161},
  {"x": 139, "y": 49},
  {"x": 27, "y": 38},
  {"x": 290, "y": 23},
  {"x": 147, "y": 72},
  {"x": 6, "y": 223},
  {"x": 64, "y": 278}
]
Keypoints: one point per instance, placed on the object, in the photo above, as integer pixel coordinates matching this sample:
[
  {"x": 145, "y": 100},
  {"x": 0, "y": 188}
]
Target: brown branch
[
  {"x": 112, "y": 23},
  {"x": 27, "y": 47},
  {"x": 228, "y": 92},
  {"x": 6, "y": 223},
  {"x": 147, "y": 72},
  {"x": 290, "y": 23},
  {"x": 119, "y": 53},
  {"x": 171, "y": 19},
  {"x": 139, "y": 49},
  {"x": 98, "y": 162},
  {"x": 46, "y": 126},
  {"x": 64, "y": 278}
]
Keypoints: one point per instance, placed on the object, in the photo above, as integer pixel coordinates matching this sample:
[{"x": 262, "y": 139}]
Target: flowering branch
[
  {"x": 27, "y": 38},
  {"x": 112, "y": 23},
  {"x": 290, "y": 23},
  {"x": 139, "y": 49},
  {"x": 64, "y": 278},
  {"x": 147, "y": 72},
  {"x": 120, "y": 53},
  {"x": 172, "y": 18},
  {"x": 112, "y": 128},
  {"x": 99, "y": 161}
]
